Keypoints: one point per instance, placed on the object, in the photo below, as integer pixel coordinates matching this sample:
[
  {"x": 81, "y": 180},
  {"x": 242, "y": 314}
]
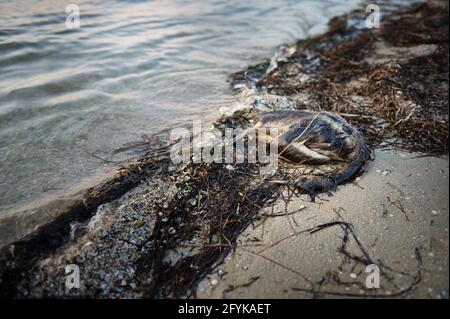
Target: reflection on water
[{"x": 133, "y": 67}]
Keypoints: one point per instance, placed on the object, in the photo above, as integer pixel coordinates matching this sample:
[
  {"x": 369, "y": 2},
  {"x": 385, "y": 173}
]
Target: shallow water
[{"x": 132, "y": 67}]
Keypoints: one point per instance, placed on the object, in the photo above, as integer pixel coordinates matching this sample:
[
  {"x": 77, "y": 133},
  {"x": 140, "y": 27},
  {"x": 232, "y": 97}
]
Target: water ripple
[{"x": 133, "y": 67}]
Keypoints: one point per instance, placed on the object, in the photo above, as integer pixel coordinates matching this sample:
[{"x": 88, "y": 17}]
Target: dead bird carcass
[{"x": 316, "y": 138}]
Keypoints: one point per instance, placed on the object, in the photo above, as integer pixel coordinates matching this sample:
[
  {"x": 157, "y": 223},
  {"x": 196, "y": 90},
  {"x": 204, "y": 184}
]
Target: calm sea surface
[{"x": 132, "y": 68}]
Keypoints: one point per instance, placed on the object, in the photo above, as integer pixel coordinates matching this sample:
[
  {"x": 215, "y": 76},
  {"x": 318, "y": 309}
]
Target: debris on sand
[
  {"x": 157, "y": 230},
  {"x": 392, "y": 82}
]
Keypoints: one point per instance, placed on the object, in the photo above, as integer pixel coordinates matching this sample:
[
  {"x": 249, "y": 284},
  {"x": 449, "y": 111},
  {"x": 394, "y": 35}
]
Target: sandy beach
[
  {"x": 154, "y": 229},
  {"x": 397, "y": 207}
]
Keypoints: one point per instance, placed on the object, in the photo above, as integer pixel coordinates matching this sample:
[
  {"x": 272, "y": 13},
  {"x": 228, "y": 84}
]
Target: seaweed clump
[
  {"x": 204, "y": 219},
  {"x": 392, "y": 82}
]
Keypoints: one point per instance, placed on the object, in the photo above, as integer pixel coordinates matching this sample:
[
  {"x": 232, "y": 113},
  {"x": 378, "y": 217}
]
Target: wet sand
[
  {"x": 155, "y": 230},
  {"x": 280, "y": 258}
]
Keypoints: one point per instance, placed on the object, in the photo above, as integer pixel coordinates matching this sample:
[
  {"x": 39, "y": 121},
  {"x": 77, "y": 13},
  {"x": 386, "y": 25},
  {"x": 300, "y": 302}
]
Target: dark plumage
[{"x": 309, "y": 137}]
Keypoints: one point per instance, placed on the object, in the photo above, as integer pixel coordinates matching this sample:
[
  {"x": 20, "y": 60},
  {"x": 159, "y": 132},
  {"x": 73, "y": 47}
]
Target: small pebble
[
  {"x": 214, "y": 282},
  {"x": 434, "y": 212},
  {"x": 353, "y": 275},
  {"x": 229, "y": 167},
  {"x": 172, "y": 230}
]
